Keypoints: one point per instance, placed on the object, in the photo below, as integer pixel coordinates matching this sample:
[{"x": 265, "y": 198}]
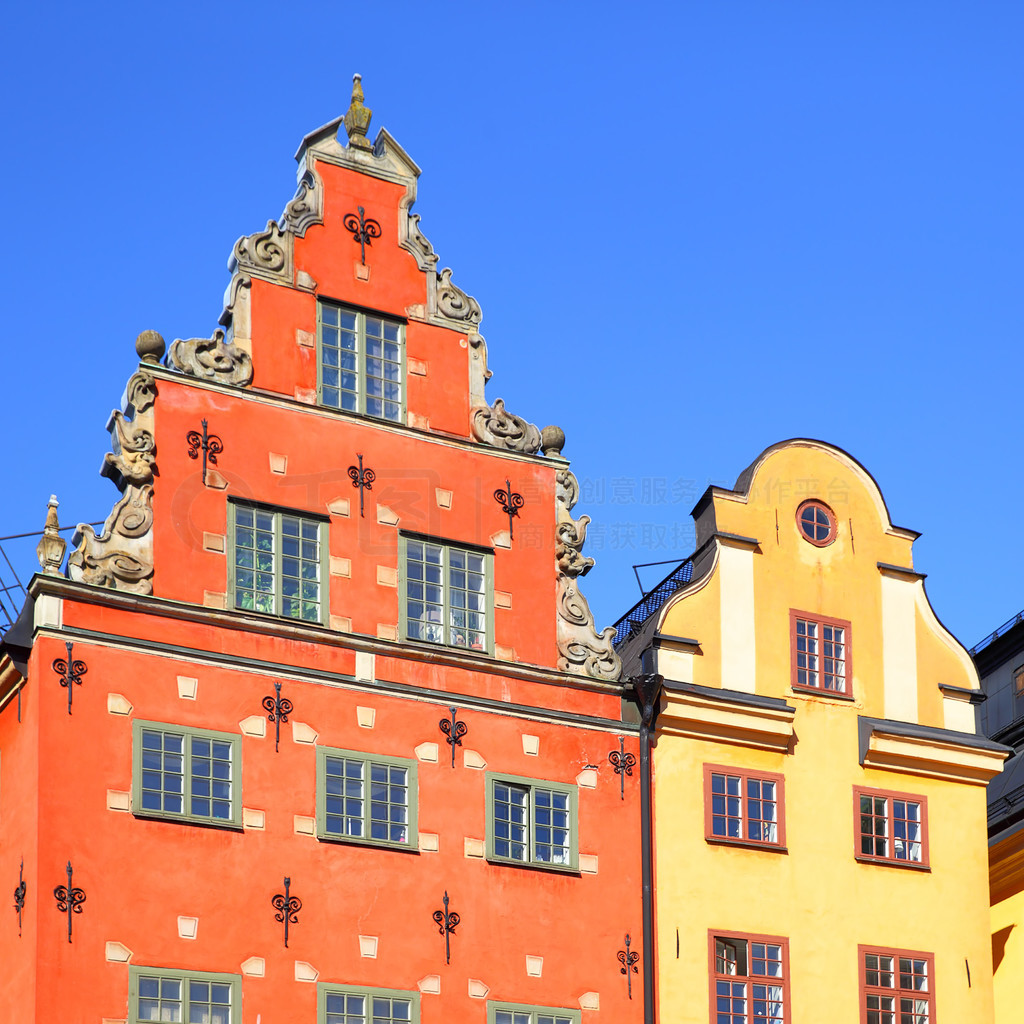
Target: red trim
[
  {"x": 814, "y": 503},
  {"x": 821, "y": 662},
  {"x": 894, "y": 991},
  {"x": 890, "y": 796},
  {"x": 749, "y": 978},
  {"x": 745, "y": 776}
]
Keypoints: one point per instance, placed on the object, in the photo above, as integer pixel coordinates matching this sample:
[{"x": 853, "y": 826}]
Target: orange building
[{"x": 318, "y": 727}]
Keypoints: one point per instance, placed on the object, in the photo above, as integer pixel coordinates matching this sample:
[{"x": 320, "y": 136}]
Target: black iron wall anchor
[
  {"x": 19, "y": 894},
  {"x": 69, "y": 899},
  {"x": 364, "y": 229},
  {"x": 287, "y": 907},
  {"x": 70, "y": 671},
  {"x": 278, "y": 709},
  {"x": 623, "y": 765},
  {"x": 628, "y": 968},
  {"x": 510, "y": 503},
  {"x": 210, "y": 444},
  {"x": 453, "y": 731},
  {"x": 447, "y": 921},
  {"x": 361, "y": 478}
]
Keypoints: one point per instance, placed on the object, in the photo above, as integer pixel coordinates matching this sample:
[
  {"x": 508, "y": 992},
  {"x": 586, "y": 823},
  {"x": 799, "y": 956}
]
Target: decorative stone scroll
[
  {"x": 453, "y": 303},
  {"x": 581, "y": 649},
  {"x": 121, "y": 555},
  {"x": 266, "y": 254},
  {"x": 495, "y": 426},
  {"x": 307, "y": 207},
  {"x": 212, "y": 359}
]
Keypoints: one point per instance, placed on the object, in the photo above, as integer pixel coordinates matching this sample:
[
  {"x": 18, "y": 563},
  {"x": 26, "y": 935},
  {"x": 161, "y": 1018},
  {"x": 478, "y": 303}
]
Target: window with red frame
[
  {"x": 749, "y": 979},
  {"x": 820, "y": 653},
  {"x": 891, "y": 827},
  {"x": 743, "y": 807},
  {"x": 897, "y": 986}
]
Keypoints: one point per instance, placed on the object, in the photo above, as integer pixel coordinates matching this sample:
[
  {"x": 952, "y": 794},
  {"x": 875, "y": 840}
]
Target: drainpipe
[{"x": 647, "y": 689}]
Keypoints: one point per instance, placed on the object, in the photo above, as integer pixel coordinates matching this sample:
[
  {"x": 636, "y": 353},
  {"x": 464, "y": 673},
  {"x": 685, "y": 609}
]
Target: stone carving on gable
[
  {"x": 266, "y": 254},
  {"x": 212, "y": 359},
  {"x": 494, "y": 425},
  {"x": 453, "y": 303},
  {"x": 581, "y": 649},
  {"x": 121, "y": 555},
  {"x": 307, "y": 207}
]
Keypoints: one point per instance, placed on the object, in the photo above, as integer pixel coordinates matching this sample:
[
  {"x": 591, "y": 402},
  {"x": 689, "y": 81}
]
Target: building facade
[
  {"x": 318, "y": 727},
  {"x": 819, "y": 784}
]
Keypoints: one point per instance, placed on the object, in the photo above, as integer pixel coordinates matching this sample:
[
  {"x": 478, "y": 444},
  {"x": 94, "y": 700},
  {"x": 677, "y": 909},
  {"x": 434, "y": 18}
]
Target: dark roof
[
  {"x": 996, "y": 634},
  {"x": 653, "y": 600}
]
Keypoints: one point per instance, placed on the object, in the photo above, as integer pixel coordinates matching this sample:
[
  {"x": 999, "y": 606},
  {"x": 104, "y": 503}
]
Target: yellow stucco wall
[
  {"x": 817, "y": 894},
  {"x": 1008, "y": 954}
]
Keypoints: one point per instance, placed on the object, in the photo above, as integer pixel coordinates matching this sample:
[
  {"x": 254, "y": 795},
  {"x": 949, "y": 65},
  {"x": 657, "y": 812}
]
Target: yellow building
[{"x": 818, "y": 783}]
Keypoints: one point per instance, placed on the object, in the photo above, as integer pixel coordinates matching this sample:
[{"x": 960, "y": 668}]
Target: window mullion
[
  {"x": 446, "y": 596},
  {"x": 367, "y": 775},
  {"x": 278, "y": 567},
  {"x": 531, "y": 811},
  {"x": 361, "y": 361},
  {"x": 186, "y": 770}
]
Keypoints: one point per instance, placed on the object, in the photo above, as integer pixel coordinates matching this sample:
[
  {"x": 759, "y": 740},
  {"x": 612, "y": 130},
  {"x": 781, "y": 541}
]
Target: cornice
[
  {"x": 1006, "y": 866},
  {"x": 726, "y": 719}
]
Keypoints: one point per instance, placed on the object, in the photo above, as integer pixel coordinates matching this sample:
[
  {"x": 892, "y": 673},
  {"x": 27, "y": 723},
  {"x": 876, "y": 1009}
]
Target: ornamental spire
[
  {"x": 51, "y": 547},
  {"x": 357, "y": 120}
]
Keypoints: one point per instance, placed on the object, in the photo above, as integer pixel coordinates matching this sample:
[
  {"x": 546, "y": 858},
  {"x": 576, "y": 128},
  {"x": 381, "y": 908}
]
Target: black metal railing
[
  {"x": 653, "y": 600},
  {"x": 996, "y": 634}
]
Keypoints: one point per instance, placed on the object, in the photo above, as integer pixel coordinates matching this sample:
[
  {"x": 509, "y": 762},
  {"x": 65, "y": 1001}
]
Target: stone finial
[
  {"x": 150, "y": 346},
  {"x": 51, "y": 547},
  {"x": 552, "y": 440},
  {"x": 357, "y": 120}
]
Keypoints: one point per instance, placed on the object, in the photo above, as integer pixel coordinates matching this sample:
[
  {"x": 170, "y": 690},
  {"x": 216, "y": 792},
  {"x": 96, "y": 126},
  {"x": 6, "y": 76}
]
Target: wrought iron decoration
[
  {"x": 361, "y": 478},
  {"x": 210, "y": 444},
  {"x": 69, "y": 899},
  {"x": 623, "y": 765},
  {"x": 446, "y": 921},
  {"x": 510, "y": 503},
  {"x": 628, "y": 968},
  {"x": 364, "y": 229},
  {"x": 278, "y": 709},
  {"x": 287, "y": 907},
  {"x": 453, "y": 731},
  {"x": 70, "y": 671},
  {"x": 19, "y": 893}
]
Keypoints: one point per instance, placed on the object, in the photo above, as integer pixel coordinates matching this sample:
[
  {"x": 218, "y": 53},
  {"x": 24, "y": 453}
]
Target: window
[
  {"x": 816, "y": 522},
  {"x": 820, "y": 653},
  {"x": 744, "y": 807},
  {"x": 447, "y": 597},
  {"x": 362, "y": 361},
  {"x": 366, "y": 798},
  {"x": 342, "y": 1004},
  {"x": 164, "y": 995},
  {"x": 519, "y": 1013},
  {"x": 891, "y": 827},
  {"x": 896, "y": 986},
  {"x": 1018, "y": 683},
  {"x": 276, "y": 562},
  {"x": 749, "y": 979},
  {"x": 191, "y": 774},
  {"x": 531, "y": 822}
]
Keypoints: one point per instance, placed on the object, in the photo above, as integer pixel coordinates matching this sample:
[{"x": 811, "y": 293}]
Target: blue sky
[{"x": 694, "y": 229}]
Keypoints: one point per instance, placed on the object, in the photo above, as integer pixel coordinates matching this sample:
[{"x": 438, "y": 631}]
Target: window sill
[
  {"x": 805, "y": 691},
  {"x": 890, "y": 863},
  {"x": 558, "y": 869},
  {"x": 747, "y": 844},
  {"x": 173, "y": 819},
  {"x": 375, "y": 844},
  {"x": 430, "y": 645}
]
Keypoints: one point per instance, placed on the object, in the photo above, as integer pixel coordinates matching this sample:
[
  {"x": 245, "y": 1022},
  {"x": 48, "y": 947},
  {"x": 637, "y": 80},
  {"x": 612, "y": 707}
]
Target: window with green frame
[
  {"x": 345, "y": 1004},
  {"x": 523, "y": 1013},
  {"x": 447, "y": 594},
  {"x": 158, "y": 994},
  {"x": 276, "y": 562},
  {"x": 362, "y": 362},
  {"x": 366, "y": 798},
  {"x": 188, "y": 774},
  {"x": 531, "y": 822}
]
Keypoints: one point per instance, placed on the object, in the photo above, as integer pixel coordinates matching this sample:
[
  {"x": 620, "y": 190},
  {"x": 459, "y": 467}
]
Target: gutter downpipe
[{"x": 647, "y": 689}]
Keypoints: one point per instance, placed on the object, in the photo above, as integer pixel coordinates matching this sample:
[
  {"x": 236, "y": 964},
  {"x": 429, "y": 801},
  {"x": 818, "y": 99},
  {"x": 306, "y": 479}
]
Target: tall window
[
  {"x": 531, "y": 822},
  {"x": 897, "y": 986},
  {"x": 820, "y": 650},
  {"x": 447, "y": 596},
  {"x": 744, "y": 807},
  {"x": 344, "y": 1004},
  {"x": 361, "y": 362},
  {"x": 276, "y": 562},
  {"x": 891, "y": 827},
  {"x": 749, "y": 979},
  {"x": 366, "y": 798},
  {"x": 190, "y": 774},
  {"x": 157, "y": 994}
]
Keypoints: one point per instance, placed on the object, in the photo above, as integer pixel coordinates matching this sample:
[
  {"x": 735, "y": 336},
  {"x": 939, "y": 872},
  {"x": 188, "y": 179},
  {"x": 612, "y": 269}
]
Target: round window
[{"x": 817, "y": 522}]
